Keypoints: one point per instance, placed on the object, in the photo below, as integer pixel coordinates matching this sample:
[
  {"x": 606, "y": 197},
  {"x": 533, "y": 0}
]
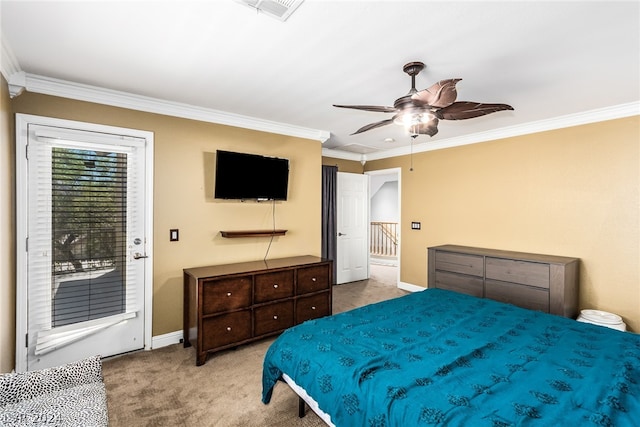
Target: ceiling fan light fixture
[{"x": 411, "y": 119}]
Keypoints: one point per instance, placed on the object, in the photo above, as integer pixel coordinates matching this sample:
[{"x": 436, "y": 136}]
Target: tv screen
[{"x": 250, "y": 177}]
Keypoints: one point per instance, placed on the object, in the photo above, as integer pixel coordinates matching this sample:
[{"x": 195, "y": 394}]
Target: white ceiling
[{"x": 549, "y": 60}]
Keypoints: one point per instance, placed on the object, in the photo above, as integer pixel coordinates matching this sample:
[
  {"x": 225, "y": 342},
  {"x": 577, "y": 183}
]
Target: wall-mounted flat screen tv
[{"x": 244, "y": 176}]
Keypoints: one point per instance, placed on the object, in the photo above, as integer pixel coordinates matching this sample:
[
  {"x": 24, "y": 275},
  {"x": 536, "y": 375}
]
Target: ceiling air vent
[
  {"x": 279, "y": 9},
  {"x": 359, "y": 148}
]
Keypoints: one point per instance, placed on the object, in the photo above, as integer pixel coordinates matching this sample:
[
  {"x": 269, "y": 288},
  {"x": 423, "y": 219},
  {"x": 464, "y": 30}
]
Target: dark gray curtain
[{"x": 329, "y": 190}]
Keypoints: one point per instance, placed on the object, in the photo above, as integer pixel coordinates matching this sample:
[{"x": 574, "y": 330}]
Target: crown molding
[
  {"x": 577, "y": 119},
  {"x": 19, "y": 81},
  {"x": 82, "y": 92},
  {"x": 10, "y": 68},
  {"x": 8, "y": 62}
]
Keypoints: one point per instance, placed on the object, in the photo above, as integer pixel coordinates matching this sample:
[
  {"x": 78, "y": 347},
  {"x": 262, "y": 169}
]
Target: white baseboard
[
  {"x": 166, "y": 339},
  {"x": 409, "y": 287},
  {"x": 176, "y": 337}
]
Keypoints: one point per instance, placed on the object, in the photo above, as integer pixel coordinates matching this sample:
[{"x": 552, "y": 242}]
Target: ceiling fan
[{"x": 420, "y": 111}]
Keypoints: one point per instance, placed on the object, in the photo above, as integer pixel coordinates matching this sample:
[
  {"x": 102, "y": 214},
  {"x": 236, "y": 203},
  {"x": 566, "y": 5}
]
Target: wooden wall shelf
[{"x": 252, "y": 233}]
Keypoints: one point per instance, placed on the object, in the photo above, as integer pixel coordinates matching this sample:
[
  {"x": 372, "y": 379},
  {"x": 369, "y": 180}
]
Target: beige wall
[
  {"x": 572, "y": 192},
  {"x": 7, "y": 231},
  {"x": 343, "y": 165},
  {"x": 183, "y": 195}
]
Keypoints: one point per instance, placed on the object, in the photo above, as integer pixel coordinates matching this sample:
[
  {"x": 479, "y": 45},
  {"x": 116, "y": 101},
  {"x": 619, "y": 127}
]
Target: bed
[{"x": 438, "y": 357}]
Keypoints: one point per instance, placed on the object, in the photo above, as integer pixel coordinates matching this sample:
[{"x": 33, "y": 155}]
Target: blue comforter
[{"x": 441, "y": 358}]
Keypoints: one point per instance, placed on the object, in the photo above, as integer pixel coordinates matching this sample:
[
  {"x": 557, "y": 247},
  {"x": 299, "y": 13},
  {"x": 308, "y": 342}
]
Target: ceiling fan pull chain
[{"x": 413, "y": 137}]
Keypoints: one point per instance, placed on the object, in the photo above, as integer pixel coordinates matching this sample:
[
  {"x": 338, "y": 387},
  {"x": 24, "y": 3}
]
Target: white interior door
[
  {"x": 83, "y": 274},
  {"x": 353, "y": 227}
]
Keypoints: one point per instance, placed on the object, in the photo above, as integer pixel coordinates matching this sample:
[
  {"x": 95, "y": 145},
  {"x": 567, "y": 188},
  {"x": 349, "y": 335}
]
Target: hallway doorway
[{"x": 384, "y": 219}]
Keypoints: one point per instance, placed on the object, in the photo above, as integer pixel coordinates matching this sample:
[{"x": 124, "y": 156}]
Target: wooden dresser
[
  {"x": 538, "y": 282},
  {"x": 232, "y": 304}
]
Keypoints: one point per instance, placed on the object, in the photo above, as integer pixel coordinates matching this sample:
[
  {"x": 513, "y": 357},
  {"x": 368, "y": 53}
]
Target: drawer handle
[
  {"x": 313, "y": 307},
  {"x": 313, "y": 279},
  {"x": 275, "y": 317},
  {"x": 275, "y": 285},
  {"x": 228, "y": 294},
  {"x": 229, "y": 328}
]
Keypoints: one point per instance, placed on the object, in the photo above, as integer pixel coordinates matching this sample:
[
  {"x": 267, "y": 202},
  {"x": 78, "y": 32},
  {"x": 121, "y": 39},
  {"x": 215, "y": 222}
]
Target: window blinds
[{"x": 79, "y": 264}]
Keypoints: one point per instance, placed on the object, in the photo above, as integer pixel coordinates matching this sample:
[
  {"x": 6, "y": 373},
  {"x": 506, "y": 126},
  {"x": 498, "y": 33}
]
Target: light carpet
[{"x": 164, "y": 387}]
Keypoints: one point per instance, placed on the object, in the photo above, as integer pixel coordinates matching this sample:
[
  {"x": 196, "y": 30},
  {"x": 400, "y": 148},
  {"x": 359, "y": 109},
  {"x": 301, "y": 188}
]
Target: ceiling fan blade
[
  {"x": 441, "y": 94},
  {"x": 373, "y": 126},
  {"x": 468, "y": 110},
  {"x": 375, "y": 108}
]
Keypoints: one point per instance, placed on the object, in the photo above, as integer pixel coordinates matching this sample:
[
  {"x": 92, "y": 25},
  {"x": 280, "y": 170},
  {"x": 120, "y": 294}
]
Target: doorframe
[
  {"x": 22, "y": 134},
  {"x": 398, "y": 173}
]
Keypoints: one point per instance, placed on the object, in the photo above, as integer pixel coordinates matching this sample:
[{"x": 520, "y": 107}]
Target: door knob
[
  {"x": 342, "y": 234},
  {"x": 138, "y": 255}
]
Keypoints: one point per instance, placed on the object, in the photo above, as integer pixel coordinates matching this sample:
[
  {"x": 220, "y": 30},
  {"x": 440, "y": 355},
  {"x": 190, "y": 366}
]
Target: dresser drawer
[
  {"x": 226, "y": 329},
  {"x": 312, "y": 279},
  {"x": 460, "y": 263},
  {"x": 272, "y": 286},
  {"x": 273, "y": 317},
  {"x": 520, "y": 295},
  {"x": 312, "y": 307},
  {"x": 459, "y": 283},
  {"x": 226, "y": 294},
  {"x": 523, "y": 272}
]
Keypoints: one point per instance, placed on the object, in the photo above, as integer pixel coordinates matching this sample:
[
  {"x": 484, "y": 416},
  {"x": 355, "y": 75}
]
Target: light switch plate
[
  {"x": 173, "y": 235},
  {"x": 415, "y": 225}
]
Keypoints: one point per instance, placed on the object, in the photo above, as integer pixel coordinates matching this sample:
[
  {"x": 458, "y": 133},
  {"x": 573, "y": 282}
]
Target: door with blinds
[{"x": 87, "y": 247}]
